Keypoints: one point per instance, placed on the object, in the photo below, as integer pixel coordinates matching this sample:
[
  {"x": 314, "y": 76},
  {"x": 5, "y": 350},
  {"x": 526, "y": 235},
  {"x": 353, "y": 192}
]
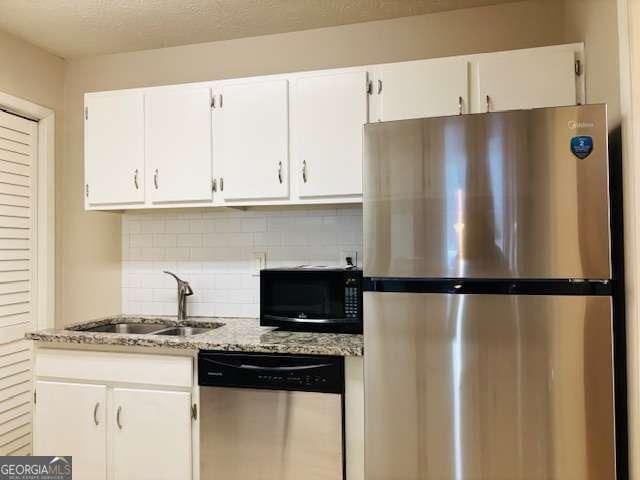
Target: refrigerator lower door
[{"x": 488, "y": 387}]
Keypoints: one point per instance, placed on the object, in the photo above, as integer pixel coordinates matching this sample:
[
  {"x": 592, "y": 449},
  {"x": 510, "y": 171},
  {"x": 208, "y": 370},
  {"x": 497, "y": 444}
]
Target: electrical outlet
[
  {"x": 260, "y": 259},
  {"x": 355, "y": 258}
]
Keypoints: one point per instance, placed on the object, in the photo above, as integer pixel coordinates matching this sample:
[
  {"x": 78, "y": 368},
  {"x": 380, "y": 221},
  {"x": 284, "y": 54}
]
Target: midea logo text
[{"x": 573, "y": 124}]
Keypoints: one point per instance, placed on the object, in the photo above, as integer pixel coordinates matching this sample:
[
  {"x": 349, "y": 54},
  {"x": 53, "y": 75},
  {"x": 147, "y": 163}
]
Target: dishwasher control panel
[{"x": 307, "y": 373}]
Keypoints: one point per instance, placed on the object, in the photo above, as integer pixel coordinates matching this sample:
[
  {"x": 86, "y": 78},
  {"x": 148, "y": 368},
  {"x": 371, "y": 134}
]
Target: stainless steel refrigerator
[{"x": 487, "y": 304}]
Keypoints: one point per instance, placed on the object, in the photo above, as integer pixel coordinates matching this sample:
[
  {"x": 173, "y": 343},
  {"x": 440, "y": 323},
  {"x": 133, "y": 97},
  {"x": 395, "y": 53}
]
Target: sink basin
[
  {"x": 139, "y": 328},
  {"x": 182, "y": 331}
]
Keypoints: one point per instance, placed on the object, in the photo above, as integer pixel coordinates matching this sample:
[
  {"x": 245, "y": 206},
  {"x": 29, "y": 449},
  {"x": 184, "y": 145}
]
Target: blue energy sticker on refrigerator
[{"x": 582, "y": 146}]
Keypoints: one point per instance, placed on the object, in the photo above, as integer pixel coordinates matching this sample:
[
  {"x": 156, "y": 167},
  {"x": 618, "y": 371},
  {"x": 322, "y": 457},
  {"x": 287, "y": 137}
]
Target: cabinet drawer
[{"x": 116, "y": 367}]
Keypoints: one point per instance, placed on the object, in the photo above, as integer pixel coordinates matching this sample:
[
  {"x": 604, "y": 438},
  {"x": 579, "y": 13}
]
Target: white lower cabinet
[
  {"x": 151, "y": 435},
  {"x": 70, "y": 420},
  {"x": 121, "y": 424}
]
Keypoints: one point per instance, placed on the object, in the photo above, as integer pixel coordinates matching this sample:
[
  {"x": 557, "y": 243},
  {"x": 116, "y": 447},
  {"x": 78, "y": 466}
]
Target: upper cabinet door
[
  {"x": 330, "y": 111},
  {"x": 251, "y": 140},
  {"x": 427, "y": 88},
  {"x": 526, "y": 79},
  {"x": 114, "y": 148},
  {"x": 179, "y": 144}
]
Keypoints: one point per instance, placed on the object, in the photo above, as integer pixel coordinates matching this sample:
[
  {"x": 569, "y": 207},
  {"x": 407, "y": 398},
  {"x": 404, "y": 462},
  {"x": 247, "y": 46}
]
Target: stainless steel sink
[
  {"x": 136, "y": 328},
  {"x": 182, "y": 331}
]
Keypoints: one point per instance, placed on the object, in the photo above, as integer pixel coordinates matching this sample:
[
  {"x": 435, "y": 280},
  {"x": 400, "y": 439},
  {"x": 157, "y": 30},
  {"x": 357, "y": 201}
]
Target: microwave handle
[{"x": 308, "y": 320}]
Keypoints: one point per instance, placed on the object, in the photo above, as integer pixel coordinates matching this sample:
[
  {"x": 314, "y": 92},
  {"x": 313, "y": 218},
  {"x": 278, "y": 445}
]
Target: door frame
[
  {"x": 43, "y": 269},
  {"x": 629, "y": 48}
]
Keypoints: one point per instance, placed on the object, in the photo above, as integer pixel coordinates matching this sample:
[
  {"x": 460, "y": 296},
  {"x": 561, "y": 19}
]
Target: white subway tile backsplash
[
  {"x": 254, "y": 225},
  {"x": 153, "y": 226},
  {"x": 227, "y": 225},
  {"x": 189, "y": 240},
  {"x": 200, "y": 225},
  {"x": 141, "y": 240},
  {"x": 177, "y": 226},
  {"x": 214, "y": 250},
  {"x": 267, "y": 238},
  {"x": 164, "y": 240},
  {"x": 177, "y": 254}
]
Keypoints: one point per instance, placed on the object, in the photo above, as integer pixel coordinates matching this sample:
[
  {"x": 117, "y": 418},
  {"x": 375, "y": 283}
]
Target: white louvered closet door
[{"x": 18, "y": 147}]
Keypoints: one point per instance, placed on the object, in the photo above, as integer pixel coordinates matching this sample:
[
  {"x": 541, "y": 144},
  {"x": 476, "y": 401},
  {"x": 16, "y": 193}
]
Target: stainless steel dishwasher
[{"x": 271, "y": 417}]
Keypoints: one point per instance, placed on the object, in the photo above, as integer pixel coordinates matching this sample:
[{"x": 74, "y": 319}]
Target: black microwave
[{"x": 312, "y": 299}]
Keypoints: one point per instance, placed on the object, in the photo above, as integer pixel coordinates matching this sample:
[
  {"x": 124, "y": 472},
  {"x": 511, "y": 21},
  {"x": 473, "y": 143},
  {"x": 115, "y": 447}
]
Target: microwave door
[
  {"x": 302, "y": 295},
  {"x": 303, "y": 299}
]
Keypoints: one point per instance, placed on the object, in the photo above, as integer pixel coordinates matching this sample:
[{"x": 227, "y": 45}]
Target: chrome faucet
[{"x": 184, "y": 290}]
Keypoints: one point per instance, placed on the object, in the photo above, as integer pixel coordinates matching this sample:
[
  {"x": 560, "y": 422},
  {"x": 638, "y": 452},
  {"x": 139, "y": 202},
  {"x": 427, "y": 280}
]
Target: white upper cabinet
[
  {"x": 251, "y": 140},
  {"x": 114, "y": 149},
  {"x": 178, "y": 126},
  {"x": 525, "y": 79},
  {"x": 426, "y": 88},
  {"x": 293, "y": 138},
  {"x": 330, "y": 110}
]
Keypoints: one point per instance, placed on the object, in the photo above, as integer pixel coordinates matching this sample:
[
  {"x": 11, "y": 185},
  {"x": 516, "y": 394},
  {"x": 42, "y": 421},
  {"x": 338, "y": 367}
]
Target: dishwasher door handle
[{"x": 245, "y": 366}]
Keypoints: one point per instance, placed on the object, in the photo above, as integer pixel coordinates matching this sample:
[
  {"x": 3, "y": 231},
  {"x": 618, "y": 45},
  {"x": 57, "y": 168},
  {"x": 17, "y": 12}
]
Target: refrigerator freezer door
[
  {"x": 488, "y": 387},
  {"x": 521, "y": 194}
]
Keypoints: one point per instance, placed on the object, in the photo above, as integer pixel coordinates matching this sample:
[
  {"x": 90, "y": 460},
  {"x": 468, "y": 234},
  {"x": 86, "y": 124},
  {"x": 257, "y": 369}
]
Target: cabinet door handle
[
  {"x": 280, "y": 172},
  {"x": 379, "y": 86},
  {"x": 488, "y": 104},
  {"x": 214, "y": 185},
  {"x": 304, "y": 171},
  {"x": 118, "y": 412},
  {"x": 460, "y": 105},
  {"x": 221, "y": 184},
  {"x": 155, "y": 178},
  {"x": 95, "y": 414},
  {"x": 135, "y": 179}
]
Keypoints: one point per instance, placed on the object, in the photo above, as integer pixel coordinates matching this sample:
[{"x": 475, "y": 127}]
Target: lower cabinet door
[
  {"x": 70, "y": 420},
  {"x": 151, "y": 435}
]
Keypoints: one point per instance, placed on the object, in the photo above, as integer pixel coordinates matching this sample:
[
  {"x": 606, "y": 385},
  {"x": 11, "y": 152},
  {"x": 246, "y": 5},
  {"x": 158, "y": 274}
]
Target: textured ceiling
[{"x": 74, "y": 28}]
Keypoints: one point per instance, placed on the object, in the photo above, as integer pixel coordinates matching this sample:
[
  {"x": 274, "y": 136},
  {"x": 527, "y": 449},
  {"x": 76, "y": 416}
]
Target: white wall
[{"x": 214, "y": 251}]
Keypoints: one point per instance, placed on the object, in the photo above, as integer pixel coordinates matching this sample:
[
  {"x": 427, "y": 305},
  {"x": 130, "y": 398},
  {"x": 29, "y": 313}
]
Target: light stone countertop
[{"x": 235, "y": 335}]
